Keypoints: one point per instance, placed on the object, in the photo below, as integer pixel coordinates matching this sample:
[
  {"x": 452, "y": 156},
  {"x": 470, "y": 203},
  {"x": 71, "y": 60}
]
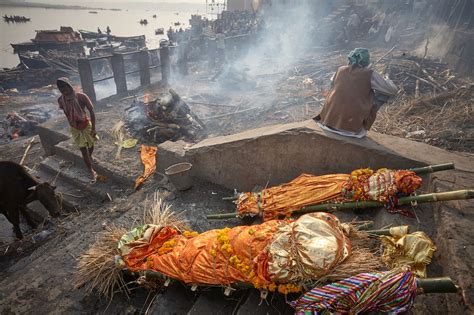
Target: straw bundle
[
  {"x": 159, "y": 213},
  {"x": 364, "y": 258},
  {"x": 97, "y": 269}
]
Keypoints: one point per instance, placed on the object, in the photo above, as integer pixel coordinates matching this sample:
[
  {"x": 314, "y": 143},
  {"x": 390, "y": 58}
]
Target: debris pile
[
  {"x": 445, "y": 120},
  {"x": 416, "y": 76},
  {"x": 165, "y": 118}
]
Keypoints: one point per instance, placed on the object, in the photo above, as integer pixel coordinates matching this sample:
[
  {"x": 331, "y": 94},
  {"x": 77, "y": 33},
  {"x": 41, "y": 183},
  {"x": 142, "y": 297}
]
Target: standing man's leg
[{"x": 86, "y": 156}]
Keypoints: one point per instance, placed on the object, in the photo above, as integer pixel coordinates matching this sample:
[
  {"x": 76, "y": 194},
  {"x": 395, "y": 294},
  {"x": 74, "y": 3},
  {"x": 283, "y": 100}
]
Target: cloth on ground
[
  {"x": 388, "y": 292},
  {"x": 148, "y": 157}
]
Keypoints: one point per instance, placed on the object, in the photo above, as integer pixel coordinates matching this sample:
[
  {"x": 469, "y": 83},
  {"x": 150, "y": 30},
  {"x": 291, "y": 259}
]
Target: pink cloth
[{"x": 75, "y": 109}]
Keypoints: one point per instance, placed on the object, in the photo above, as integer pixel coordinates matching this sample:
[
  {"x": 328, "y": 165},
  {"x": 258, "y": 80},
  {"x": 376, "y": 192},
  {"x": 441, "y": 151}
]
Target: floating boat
[
  {"x": 93, "y": 12},
  {"x": 15, "y": 19},
  {"x": 160, "y": 31}
]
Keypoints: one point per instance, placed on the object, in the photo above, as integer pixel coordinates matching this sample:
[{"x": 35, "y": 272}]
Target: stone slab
[
  {"x": 215, "y": 302},
  {"x": 53, "y": 132},
  {"x": 176, "y": 300},
  {"x": 274, "y": 305},
  {"x": 170, "y": 153},
  {"x": 276, "y": 154}
]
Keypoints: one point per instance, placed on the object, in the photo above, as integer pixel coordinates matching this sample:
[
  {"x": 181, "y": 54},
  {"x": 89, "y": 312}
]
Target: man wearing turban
[{"x": 357, "y": 94}]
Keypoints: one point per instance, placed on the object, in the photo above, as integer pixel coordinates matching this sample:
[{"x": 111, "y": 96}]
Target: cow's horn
[{"x": 32, "y": 188}]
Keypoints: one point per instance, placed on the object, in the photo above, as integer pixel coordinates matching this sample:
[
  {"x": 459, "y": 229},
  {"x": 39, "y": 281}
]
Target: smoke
[
  {"x": 439, "y": 38},
  {"x": 284, "y": 37}
]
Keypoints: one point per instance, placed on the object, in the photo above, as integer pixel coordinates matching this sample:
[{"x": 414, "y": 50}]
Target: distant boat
[
  {"x": 93, "y": 12},
  {"x": 154, "y": 16},
  {"x": 160, "y": 31},
  {"x": 177, "y": 24},
  {"x": 16, "y": 19}
]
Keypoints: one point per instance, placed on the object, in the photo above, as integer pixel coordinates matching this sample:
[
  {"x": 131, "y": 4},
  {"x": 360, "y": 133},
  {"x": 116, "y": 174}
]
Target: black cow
[{"x": 17, "y": 189}]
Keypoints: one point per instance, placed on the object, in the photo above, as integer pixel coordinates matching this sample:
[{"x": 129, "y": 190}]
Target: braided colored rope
[{"x": 392, "y": 291}]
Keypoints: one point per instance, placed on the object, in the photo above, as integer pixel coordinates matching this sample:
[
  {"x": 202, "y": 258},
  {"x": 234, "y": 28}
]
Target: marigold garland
[{"x": 226, "y": 248}]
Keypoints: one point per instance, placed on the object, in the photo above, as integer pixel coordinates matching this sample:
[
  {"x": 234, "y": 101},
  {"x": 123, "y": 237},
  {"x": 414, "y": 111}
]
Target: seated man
[{"x": 357, "y": 94}]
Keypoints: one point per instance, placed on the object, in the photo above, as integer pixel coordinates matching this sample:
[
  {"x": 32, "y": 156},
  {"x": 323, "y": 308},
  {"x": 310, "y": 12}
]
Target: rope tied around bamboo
[{"x": 363, "y": 188}]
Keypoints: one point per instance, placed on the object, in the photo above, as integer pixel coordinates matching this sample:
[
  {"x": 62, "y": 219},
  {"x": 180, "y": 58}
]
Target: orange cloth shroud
[
  {"x": 148, "y": 157},
  {"x": 306, "y": 190},
  {"x": 260, "y": 254},
  {"x": 281, "y": 200}
]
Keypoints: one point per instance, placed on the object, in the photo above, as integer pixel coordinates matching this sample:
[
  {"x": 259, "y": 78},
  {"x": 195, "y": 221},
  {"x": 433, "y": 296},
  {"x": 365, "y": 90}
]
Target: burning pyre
[{"x": 165, "y": 118}]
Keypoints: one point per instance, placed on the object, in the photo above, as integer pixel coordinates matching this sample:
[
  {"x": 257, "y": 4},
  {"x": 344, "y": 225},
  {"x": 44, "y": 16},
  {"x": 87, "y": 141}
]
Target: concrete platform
[{"x": 276, "y": 154}]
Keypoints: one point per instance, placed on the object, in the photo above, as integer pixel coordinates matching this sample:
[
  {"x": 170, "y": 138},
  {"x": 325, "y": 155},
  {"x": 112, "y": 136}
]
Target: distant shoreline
[{"x": 50, "y": 6}]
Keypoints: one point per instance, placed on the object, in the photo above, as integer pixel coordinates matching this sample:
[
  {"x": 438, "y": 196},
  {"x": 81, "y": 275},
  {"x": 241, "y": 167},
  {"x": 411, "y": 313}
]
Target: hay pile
[{"x": 445, "y": 120}]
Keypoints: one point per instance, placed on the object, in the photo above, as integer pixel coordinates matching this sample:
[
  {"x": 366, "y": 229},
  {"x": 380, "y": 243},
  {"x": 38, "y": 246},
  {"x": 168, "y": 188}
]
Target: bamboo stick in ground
[
  {"x": 330, "y": 207},
  {"x": 27, "y": 150}
]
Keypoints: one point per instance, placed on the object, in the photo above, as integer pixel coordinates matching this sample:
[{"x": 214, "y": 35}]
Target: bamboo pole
[
  {"x": 427, "y": 285},
  {"x": 437, "y": 285},
  {"x": 329, "y": 207},
  {"x": 432, "y": 168},
  {"x": 433, "y": 197},
  {"x": 381, "y": 232}
]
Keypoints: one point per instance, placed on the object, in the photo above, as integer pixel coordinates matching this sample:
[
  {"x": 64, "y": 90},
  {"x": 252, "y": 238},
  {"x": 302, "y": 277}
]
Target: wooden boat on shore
[
  {"x": 138, "y": 40},
  {"x": 64, "y": 39}
]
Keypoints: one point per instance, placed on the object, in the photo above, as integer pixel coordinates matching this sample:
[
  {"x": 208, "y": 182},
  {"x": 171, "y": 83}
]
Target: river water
[{"x": 122, "y": 23}]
